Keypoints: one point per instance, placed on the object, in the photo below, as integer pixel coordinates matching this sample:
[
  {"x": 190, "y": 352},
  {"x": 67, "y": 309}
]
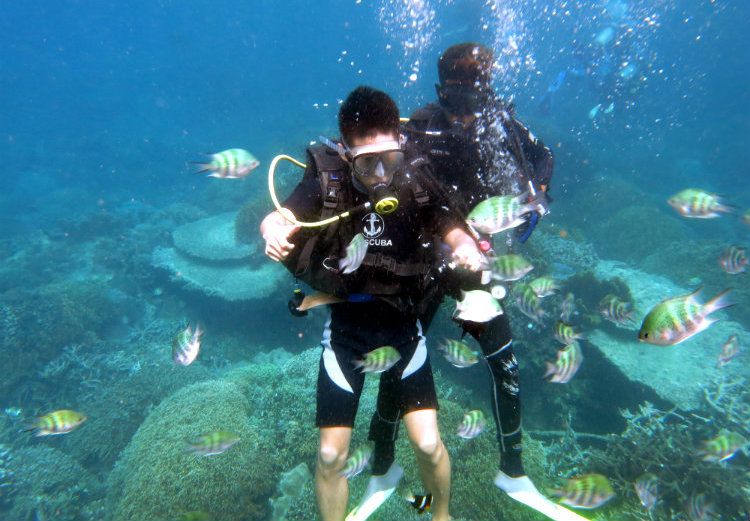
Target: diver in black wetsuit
[
  {"x": 478, "y": 150},
  {"x": 396, "y": 208}
]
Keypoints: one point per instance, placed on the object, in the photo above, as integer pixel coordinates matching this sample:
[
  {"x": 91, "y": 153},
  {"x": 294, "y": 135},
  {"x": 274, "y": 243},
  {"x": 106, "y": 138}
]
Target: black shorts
[{"x": 353, "y": 330}]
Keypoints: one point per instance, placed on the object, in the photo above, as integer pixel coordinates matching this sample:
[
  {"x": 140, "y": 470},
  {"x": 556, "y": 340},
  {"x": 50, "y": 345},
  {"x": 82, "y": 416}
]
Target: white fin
[
  {"x": 523, "y": 490},
  {"x": 378, "y": 490}
]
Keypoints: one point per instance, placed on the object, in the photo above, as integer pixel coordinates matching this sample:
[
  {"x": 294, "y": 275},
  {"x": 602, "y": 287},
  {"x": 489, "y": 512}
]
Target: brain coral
[{"x": 156, "y": 479}]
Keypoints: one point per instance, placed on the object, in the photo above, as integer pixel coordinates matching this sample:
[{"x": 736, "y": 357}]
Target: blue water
[{"x": 104, "y": 105}]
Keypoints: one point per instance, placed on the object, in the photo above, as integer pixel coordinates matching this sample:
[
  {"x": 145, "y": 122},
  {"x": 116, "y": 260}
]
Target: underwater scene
[{"x": 152, "y": 368}]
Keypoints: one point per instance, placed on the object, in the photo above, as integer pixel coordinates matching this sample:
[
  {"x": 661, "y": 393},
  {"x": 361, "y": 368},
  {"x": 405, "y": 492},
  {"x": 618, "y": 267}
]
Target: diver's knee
[
  {"x": 429, "y": 447},
  {"x": 330, "y": 459}
]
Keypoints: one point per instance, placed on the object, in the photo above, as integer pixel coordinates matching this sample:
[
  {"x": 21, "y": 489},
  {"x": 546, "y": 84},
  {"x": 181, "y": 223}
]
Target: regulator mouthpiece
[{"x": 384, "y": 200}]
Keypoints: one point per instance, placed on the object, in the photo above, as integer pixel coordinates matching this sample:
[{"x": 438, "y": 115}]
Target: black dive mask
[{"x": 461, "y": 100}]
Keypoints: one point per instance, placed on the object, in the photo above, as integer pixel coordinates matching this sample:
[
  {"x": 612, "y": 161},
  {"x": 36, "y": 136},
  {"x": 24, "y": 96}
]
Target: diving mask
[
  {"x": 461, "y": 100},
  {"x": 374, "y": 165}
]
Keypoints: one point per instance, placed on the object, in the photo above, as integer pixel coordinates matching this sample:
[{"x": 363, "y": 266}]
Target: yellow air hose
[{"x": 286, "y": 213}]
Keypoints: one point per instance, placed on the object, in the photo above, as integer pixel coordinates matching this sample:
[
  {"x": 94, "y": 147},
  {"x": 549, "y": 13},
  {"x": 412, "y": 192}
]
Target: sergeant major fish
[
  {"x": 233, "y": 163},
  {"x": 212, "y": 443},
  {"x": 458, "y": 353},
  {"x": 698, "y": 204},
  {"x": 729, "y": 350},
  {"x": 378, "y": 360},
  {"x": 565, "y": 334},
  {"x": 616, "y": 310},
  {"x": 647, "y": 489},
  {"x": 588, "y": 491},
  {"x": 56, "y": 422},
  {"x": 472, "y": 424},
  {"x": 679, "y": 318},
  {"x": 544, "y": 286},
  {"x": 509, "y": 267},
  {"x": 355, "y": 254},
  {"x": 569, "y": 360},
  {"x": 723, "y": 447},
  {"x": 734, "y": 260},
  {"x": 186, "y": 344},
  {"x": 357, "y": 462},
  {"x": 501, "y": 212},
  {"x": 528, "y": 303}
]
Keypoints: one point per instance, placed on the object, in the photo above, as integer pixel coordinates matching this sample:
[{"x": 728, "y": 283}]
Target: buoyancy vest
[
  {"x": 314, "y": 260},
  {"x": 432, "y": 134}
]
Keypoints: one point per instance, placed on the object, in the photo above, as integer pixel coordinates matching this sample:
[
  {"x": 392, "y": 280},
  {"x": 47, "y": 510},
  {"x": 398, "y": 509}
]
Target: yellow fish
[{"x": 56, "y": 422}]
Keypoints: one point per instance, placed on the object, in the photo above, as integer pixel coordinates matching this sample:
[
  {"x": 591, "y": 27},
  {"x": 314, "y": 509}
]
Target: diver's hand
[
  {"x": 469, "y": 256},
  {"x": 276, "y": 230},
  {"x": 466, "y": 253}
]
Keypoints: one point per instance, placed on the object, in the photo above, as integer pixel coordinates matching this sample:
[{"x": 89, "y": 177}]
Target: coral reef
[
  {"x": 212, "y": 238},
  {"x": 156, "y": 479},
  {"x": 207, "y": 257},
  {"x": 48, "y": 318},
  {"x": 677, "y": 373},
  {"x": 47, "y": 484},
  {"x": 667, "y": 444},
  {"x": 291, "y": 488}
]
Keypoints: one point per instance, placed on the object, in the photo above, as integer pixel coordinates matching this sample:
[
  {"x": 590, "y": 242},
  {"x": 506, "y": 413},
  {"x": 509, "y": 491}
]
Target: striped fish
[
  {"x": 565, "y": 334},
  {"x": 509, "y": 267},
  {"x": 186, "y": 344},
  {"x": 588, "y": 491},
  {"x": 729, "y": 350},
  {"x": 458, "y": 353},
  {"x": 734, "y": 260},
  {"x": 647, "y": 489},
  {"x": 568, "y": 362},
  {"x": 233, "y": 163},
  {"x": 421, "y": 504},
  {"x": 357, "y": 462},
  {"x": 501, "y": 212},
  {"x": 56, "y": 422},
  {"x": 378, "y": 360},
  {"x": 723, "y": 447},
  {"x": 544, "y": 286},
  {"x": 746, "y": 217},
  {"x": 698, "y": 204},
  {"x": 698, "y": 508},
  {"x": 472, "y": 424},
  {"x": 677, "y": 319},
  {"x": 212, "y": 443},
  {"x": 616, "y": 310},
  {"x": 528, "y": 303}
]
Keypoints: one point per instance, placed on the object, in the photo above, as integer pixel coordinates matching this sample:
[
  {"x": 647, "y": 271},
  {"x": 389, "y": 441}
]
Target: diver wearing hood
[{"x": 371, "y": 304}]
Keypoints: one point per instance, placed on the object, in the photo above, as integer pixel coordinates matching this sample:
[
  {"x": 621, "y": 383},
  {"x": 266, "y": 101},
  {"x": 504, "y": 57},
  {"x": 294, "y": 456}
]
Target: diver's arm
[
  {"x": 465, "y": 250},
  {"x": 538, "y": 154},
  {"x": 276, "y": 230}
]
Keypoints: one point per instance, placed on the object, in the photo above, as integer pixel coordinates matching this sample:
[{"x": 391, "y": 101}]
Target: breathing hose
[{"x": 286, "y": 213}]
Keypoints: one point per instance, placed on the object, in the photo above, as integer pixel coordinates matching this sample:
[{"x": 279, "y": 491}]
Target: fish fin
[
  {"x": 522, "y": 489},
  {"x": 318, "y": 299},
  {"x": 720, "y": 301},
  {"x": 550, "y": 369}
]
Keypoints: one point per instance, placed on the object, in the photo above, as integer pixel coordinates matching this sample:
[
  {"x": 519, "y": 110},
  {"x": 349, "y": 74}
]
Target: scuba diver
[
  {"x": 478, "y": 150},
  {"x": 370, "y": 264}
]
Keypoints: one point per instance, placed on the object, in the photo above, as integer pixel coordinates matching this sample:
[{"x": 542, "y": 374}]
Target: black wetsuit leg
[
  {"x": 496, "y": 340},
  {"x": 386, "y": 419}
]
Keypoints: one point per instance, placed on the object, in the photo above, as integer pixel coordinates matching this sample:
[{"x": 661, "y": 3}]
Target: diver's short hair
[
  {"x": 367, "y": 111},
  {"x": 466, "y": 64}
]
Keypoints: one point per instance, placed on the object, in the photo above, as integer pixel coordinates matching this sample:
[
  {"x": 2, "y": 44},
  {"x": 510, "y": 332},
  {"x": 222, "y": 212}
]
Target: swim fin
[
  {"x": 523, "y": 490},
  {"x": 378, "y": 490}
]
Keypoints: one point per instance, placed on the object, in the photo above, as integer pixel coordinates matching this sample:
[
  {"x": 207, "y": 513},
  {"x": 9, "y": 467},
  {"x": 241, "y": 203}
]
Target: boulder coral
[{"x": 155, "y": 478}]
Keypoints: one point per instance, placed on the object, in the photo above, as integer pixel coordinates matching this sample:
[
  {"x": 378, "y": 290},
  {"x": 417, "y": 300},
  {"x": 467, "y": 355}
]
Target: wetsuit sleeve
[
  {"x": 442, "y": 215},
  {"x": 306, "y": 201},
  {"x": 538, "y": 154}
]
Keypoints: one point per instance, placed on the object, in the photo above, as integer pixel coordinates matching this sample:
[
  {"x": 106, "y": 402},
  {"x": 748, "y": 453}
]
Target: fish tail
[
  {"x": 720, "y": 301},
  {"x": 725, "y": 208},
  {"x": 550, "y": 369}
]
